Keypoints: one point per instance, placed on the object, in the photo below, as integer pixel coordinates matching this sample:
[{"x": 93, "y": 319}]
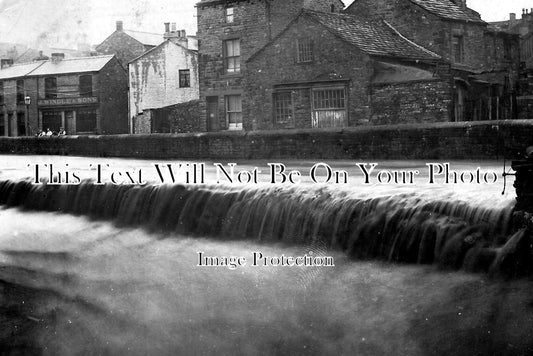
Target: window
[
  {"x": 51, "y": 120},
  {"x": 20, "y": 91},
  {"x": 185, "y": 78},
  {"x": 457, "y": 48},
  {"x": 305, "y": 51},
  {"x": 86, "y": 120},
  {"x": 329, "y": 108},
  {"x": 50, "y": 88},
  {"x": 232, "y": 56},
  {"x": 332, "y": 8},
  {"x": 234, "y": 112},
  {"x": 86, "y": 85},
  {"x": 229, "y": 15},
  {"x": 1, "y": 95},
  {"x": 283, "y": 111}
]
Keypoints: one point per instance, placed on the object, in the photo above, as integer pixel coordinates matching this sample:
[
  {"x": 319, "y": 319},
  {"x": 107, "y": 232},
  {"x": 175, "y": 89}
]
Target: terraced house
[
  {"x": 86, "y": 95},
  {"x": 229, "y": 32},
  {"x": 310, "y": 64},
  {"x": 338, "y": 70},
  {"x": 484, "y": 61}
]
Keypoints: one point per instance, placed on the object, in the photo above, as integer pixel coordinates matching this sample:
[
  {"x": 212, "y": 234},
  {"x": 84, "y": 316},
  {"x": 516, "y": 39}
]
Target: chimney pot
[
  {"x": 120, "y": 26},
  {"x": 167, "y": 27},
  {"x": 183, "y": 34},
  {"x": 173, "y": 27}
]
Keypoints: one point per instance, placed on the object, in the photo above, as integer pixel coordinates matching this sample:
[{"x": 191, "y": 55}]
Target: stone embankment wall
[{"x": 465, "y": 140}]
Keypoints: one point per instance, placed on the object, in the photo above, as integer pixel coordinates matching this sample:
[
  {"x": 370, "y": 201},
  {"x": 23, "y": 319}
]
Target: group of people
[{"x": 49, "y": 132}]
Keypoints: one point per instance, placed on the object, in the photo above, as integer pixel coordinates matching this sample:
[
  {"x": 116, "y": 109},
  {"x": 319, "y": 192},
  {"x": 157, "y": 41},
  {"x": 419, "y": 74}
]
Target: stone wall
[
  {"x": 411, "y": 102},
  {"x": 429, "y": 30},
  {"x": 343, "y": 64},
  {"x": 112, "y": 89},
  {"x": 479, "y": 140},
  {"x": 123, "y": 46}
]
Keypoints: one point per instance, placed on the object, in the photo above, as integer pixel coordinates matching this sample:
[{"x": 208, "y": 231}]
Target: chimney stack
[
  {"x": 120, "y": 26},
  {"x": 512, "y": 19},
  {"x": 5, "y": 63},
  {"x": 57, "y": 57},
  {"x": 177, "y": 36}
]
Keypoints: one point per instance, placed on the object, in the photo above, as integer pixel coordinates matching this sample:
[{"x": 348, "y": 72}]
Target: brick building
[
  {"x": 160, "y": 78},
  {"x": 337, "y": 70},
  {"x": 229, "y": 32},
  {"x": 84, "y": 95},
  {"x": 484, "y": 61}
]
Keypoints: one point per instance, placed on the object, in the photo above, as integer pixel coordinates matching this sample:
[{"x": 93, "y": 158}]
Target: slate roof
[
  {"x": 448, "y": 10},
  {"x": 375, "y": 38},
  {"x": 146, "y": 38},
  {"x": 73, "y": 65},
  {"x": 65, "y": 66},
  {"x": 18, "y": 70}
]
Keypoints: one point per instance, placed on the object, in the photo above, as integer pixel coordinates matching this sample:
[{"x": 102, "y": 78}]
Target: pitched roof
[
  {"x": 166, "y": 42},
  {"x": 19, "y": 70},
  {"x": 146, "y": 38},
  {"x": 448, "y": 10},
  {"x": 375, "y": 38},
  {"x": 73, "y": 65}
]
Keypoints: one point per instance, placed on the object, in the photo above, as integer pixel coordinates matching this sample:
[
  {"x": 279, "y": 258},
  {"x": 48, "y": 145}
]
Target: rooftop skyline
[{"x": 60, "y": 24}]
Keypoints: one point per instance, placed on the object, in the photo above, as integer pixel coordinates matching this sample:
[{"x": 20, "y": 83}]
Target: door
[
  {"x": 212, "y": 113},
  {"x": 70, "y": 122}
]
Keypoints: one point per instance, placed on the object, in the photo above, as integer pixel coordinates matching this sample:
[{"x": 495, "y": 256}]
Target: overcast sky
[{"x": 75, "y": 21}]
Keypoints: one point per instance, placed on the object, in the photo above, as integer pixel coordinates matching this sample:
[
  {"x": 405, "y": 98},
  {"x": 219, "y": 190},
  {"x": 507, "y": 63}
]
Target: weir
[{"x": 405, "y": 228}]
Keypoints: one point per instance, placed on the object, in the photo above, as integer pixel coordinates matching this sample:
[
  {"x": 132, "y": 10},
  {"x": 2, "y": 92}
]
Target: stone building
[
  {"x": 523, "y": 28},
  {"x": 229, "y": 32},
  {"x": 128, "y": 44},
  {"x": 337, "y": 70},
  {"x": 84, "y": 95},
  {"x": 484, "y": 61},
  {"x": 160, "y": 78},
  {"x": 15, "y": 86}
]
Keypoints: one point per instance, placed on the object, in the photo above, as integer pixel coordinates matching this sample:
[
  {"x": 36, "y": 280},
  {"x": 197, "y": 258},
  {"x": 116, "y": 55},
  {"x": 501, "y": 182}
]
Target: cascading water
[{"x": 407, "y": 228}]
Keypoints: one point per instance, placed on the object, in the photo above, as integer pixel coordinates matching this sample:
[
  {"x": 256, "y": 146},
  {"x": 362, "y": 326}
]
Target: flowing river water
[{"x": 114, "y": 268}]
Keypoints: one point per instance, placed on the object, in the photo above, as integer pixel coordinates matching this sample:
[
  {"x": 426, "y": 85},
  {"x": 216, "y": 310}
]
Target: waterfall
[{"x": 405, "y": 228}]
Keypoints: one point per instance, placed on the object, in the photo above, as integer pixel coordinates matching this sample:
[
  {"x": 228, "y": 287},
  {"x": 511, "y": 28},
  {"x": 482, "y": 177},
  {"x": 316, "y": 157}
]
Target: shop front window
[{"x": 86, "y": 120}]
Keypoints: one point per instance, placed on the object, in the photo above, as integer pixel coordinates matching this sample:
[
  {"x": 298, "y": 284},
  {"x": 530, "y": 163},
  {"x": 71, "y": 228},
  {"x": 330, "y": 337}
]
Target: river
[{"x": 114, "y": 269}]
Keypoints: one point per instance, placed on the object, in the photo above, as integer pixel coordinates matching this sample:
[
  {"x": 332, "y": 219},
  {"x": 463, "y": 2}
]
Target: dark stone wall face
[
  {"x": 415, "y": 102},
  {"x": 123, "y": 46},
  {"x": 481, "y": 140},
  {"x": 112, "y": 83}
]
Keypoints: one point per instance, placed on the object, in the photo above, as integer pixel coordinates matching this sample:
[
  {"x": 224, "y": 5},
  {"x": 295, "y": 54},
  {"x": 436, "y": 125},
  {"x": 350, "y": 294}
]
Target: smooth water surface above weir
[{"x": 367, "y": 263}]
